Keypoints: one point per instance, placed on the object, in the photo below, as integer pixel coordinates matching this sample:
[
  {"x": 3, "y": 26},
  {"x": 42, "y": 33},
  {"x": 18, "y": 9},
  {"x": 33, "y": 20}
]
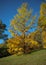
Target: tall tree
[
  {"x": 42, "y": 21},
  {"x": 22, "y": 22}
]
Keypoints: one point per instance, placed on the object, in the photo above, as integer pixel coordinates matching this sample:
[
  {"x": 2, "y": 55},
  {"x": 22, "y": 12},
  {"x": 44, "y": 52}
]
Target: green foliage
[
  {"x": 2, "y": 29},
  {"x": 3, "y": 51}
]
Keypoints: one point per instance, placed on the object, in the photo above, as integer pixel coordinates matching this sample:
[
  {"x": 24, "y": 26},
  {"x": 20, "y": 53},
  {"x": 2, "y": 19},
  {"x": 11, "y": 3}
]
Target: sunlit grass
[{"x": 35, "y": 58}]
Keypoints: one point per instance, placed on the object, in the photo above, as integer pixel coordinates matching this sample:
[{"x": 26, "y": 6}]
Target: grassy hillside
[{"x": 35, "y": 58}]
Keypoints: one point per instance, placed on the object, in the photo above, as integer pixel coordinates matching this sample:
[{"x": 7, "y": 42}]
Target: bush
[
  {"x": 3, "y": 52},
  {"x": 16, "y": 46}
]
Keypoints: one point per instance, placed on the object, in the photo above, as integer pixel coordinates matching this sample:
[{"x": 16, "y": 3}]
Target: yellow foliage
[
  {"x": 32, "y": 43},
  {"x": 18, "y": 24},
  {"x": 42, "y": 18},
  {"x": 20, "y": 53},
  {"x": 43, "y": 9},
  {"x": 44, "y": 39},
  {"x": 16, "y": 49},
  {"x": 20, "y": 49},
  {"x": 14, "y": 45},
  {"x": 44, "y": 43}
]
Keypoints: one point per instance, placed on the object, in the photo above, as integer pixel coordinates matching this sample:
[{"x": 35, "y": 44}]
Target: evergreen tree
[{"x": 2, "y": 29}]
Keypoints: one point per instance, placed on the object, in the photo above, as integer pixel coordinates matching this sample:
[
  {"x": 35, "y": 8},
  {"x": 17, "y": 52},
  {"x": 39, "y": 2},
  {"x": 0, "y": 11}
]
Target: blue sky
[{"x": 8, "y": 9}]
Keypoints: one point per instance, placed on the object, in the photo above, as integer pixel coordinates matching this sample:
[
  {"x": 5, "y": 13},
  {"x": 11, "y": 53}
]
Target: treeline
[{"x": 23, "y": 41}]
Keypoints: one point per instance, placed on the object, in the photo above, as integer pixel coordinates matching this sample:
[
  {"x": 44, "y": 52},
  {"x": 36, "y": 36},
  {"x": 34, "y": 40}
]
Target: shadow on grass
[{"x": 38, "y": 50}]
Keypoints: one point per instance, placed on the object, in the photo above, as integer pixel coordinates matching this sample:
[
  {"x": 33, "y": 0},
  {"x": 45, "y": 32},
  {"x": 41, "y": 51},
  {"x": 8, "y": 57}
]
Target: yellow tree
[
  {"x": 42, "y": 18},
  {"x": 42, "y": 21},
  {"x": 22, "y": 22}
]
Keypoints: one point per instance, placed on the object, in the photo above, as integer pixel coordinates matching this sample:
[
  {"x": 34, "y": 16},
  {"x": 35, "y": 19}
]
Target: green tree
[
  {"x": 3, "y": 48},
  {"x": 2, "y": 29}
]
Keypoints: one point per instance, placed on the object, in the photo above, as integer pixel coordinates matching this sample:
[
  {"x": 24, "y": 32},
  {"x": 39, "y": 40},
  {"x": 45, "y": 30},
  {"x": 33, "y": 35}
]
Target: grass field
[{"x": 35, "y": 58}]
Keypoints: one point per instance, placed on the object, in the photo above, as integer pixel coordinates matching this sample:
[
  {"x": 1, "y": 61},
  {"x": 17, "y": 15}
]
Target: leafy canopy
[{"x": 23, "y": 20}]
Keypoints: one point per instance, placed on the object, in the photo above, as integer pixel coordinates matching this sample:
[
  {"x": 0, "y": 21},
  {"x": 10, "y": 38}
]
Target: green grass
[{"x": 35, "y": 58}]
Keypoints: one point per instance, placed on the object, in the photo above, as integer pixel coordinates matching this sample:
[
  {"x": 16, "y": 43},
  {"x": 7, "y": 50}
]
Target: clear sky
[{"x": 8, "y": 9}]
